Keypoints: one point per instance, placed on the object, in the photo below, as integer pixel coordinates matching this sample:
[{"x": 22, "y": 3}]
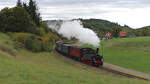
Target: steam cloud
[{"x": 74, "y": 29}]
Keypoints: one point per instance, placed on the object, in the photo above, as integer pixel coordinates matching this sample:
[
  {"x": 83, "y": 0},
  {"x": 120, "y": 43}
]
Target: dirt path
[{"x": 125, "y": 70}]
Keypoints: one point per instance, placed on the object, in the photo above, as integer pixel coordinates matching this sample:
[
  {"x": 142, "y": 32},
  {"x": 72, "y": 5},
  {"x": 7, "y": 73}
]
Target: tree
[
  {"x": 115, "y": 32},
  {"x": 25, "y": 6},
  {"x": 138, "y": 32},
  {"x": 16, "y": 20},
  {"x": 33, "y": 11},
  {"x": 146, "y": 32},
  {"x": 19, "y": 3}
]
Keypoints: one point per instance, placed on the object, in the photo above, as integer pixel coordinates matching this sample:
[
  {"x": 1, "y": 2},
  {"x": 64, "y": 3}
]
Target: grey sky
[{"x": 135, "y": 13}]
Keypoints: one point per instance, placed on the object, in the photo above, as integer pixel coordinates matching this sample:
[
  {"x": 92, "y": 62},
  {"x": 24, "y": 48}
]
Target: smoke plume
[{"x": 74, "y": 29}]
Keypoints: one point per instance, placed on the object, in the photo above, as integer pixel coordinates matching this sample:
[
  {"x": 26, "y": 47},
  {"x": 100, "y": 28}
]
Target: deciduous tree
[
  {"x": 116, "y": 31},
  {"x": 16, "y": 20}
]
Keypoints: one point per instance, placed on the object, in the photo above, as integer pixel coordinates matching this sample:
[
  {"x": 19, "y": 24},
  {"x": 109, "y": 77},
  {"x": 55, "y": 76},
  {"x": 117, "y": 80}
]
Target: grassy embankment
[{"x": 48, "y": 68}]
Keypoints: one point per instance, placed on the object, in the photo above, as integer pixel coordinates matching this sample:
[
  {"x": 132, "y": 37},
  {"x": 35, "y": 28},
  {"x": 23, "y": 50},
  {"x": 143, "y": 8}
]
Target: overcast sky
[{"x": 135, "y": 13}]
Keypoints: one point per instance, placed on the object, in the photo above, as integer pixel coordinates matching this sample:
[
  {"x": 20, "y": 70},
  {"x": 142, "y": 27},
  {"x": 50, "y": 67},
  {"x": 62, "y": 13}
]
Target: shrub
[
  {"x": 33, "y": 42},
  {"x": 18, "y": 45},
  {"x": 47, "y": 46},
  {"x": 41, "y": 31},
  {"x": 21, "y": 37}
]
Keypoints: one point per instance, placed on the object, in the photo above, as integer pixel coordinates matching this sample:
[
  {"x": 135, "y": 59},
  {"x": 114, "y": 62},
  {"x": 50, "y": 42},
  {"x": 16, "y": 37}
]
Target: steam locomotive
[{"x": 86, "y": 55}]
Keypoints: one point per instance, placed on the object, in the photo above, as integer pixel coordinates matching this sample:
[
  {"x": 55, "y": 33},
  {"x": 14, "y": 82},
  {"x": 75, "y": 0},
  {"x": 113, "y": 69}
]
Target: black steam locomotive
[{"x": 86, "y": 55}]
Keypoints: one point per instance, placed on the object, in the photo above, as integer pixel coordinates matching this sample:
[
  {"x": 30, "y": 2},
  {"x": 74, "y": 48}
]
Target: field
[
  {"x": 25, "y": 67},
  {"x": 132, "y": 53}
]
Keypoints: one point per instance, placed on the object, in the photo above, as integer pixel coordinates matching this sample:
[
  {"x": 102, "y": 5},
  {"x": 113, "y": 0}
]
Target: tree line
[
  {"x": 101, "y": 27},
  {"x": 145, "y": 31}
]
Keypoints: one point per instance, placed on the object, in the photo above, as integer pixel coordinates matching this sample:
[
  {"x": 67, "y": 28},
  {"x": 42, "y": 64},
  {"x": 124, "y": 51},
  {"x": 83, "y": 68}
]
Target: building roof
[
  {"x": 122, "y": 34},
  {"x": 108, "y": 34}
]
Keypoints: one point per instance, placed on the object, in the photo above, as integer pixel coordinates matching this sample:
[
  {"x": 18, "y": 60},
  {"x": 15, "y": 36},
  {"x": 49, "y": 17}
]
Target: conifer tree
[
  {"x": 33, "y": 11},
  {"x": 25, "y": 6},
  {"x": 19, "y": 3}
]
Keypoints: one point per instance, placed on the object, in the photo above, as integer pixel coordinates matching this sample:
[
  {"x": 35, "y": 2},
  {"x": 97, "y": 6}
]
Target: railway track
[
  {"x": 113, "y": 71},
  {"x": 123, "y": 74}
]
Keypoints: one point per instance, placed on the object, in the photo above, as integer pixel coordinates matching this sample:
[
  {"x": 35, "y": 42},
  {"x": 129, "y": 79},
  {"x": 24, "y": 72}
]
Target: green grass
[
  {"x": 5, "y": 41},
  {"x": 49, "y": 68},
  {"x": 133, "y": 53}
]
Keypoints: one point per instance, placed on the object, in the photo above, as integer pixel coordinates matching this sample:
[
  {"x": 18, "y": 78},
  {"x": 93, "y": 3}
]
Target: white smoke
[{"x": 74, "y": 29}]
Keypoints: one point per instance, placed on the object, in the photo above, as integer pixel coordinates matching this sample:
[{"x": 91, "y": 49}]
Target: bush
[
  {"x": 41, "y": 31},
  {"x": 21, "y": 37},
  {"x": 18, "y": 45},
  {"x": 47, "y": 46},
  {"x": 37, "y": 44},
  {"x": 45, "y": 26},
  {"x": 33, "y": 44}
]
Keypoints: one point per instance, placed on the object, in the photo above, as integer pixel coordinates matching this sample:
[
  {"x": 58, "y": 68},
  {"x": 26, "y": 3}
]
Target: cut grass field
[
  {"x": 49, "y": 68},
  {"x": 132, "y": 53}
]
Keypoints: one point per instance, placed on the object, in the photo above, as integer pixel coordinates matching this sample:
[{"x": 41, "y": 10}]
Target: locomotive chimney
[{"x": 97, "y": 50}]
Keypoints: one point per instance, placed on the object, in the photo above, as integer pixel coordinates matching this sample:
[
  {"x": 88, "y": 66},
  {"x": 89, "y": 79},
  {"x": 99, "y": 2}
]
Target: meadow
[
  {"x": 132, "y": 53},
  {"x": 25, "y": 67}
]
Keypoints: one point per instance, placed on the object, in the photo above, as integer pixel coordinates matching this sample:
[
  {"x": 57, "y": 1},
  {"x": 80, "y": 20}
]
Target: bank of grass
[
  {"x": 132, "y": 53},
  {"x": 49, "y": 68}
]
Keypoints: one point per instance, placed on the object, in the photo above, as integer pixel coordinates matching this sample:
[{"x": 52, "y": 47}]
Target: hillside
[
  {"x": 100, "y": 24},
  {"x": 103, "y": 26},
  {"x": 25, "y": 67},
  {"x": 144, "y": 31}
]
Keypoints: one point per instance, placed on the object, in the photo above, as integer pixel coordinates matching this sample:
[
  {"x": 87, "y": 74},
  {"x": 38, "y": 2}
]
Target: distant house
[
  {"x": 122, "y": 34},
  {"x": 108, "y": 35}
]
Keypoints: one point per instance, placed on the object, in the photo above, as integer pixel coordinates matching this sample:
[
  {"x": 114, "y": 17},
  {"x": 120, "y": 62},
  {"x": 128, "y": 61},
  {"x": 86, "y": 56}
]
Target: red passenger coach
[{"x": 76, "y": 52}]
